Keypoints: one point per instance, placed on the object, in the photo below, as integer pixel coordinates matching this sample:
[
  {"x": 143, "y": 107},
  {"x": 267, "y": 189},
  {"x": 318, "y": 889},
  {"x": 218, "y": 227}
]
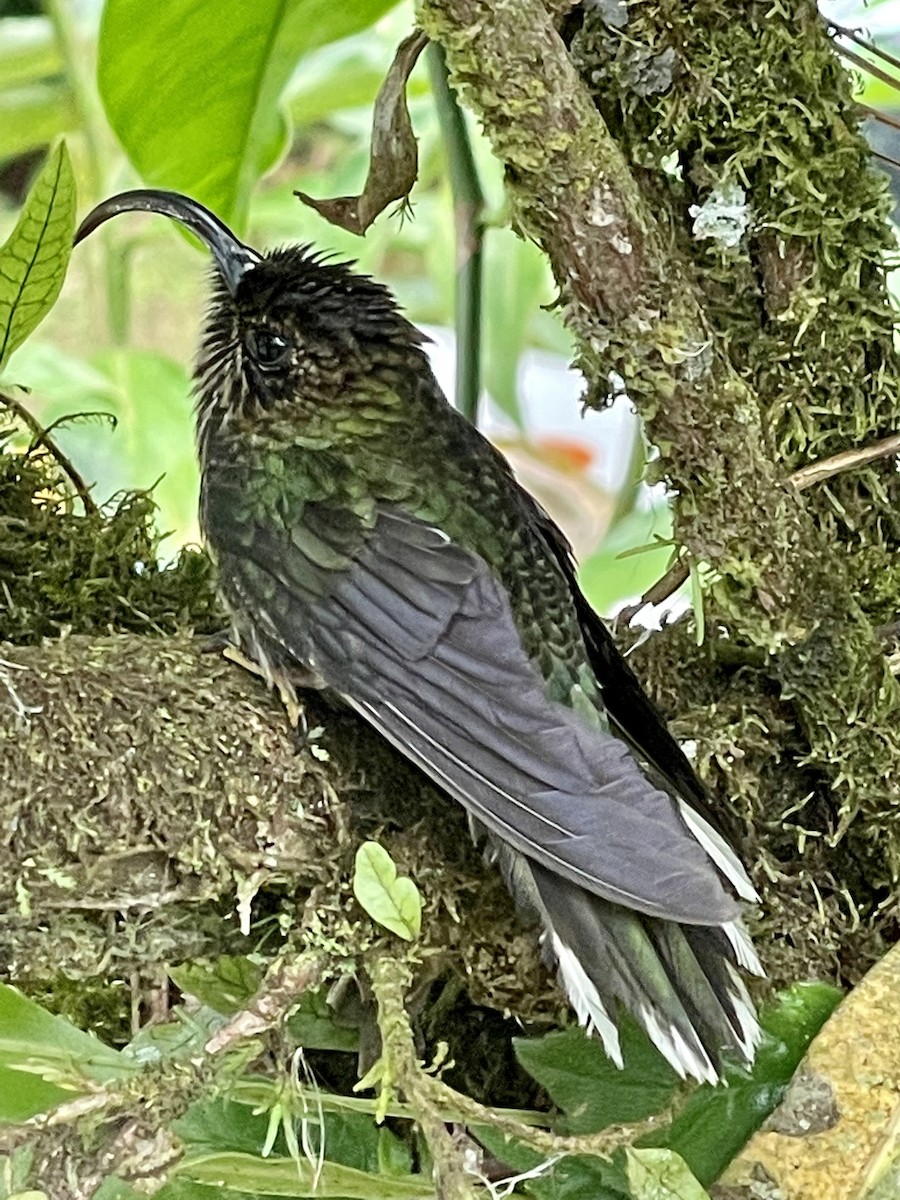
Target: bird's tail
[{"x": 681, "y": 982}]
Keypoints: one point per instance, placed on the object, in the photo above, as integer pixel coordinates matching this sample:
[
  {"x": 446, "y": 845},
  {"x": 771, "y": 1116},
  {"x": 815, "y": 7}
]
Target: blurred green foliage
[{"x": 242, "y": 111}]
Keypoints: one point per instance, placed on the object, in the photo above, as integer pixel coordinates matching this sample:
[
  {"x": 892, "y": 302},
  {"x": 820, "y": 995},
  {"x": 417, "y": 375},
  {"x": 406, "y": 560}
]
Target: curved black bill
[{"x": 232, "y": 257}]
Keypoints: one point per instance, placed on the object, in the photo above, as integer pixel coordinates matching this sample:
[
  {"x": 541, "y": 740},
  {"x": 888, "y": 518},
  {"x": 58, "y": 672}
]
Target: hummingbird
[{"x": 369, "y": 540}]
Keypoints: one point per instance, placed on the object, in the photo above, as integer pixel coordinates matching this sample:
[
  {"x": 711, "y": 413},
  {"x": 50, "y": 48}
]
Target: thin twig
[
  {"x": 847, "y": 460},
  {"x": 468, "y": 208},
  {"x": 283, "y": 984},
  {"x": 401, "y": 1069},
  {"x": 42, "y": 438},
  {"x": 665, "y": 586},
  {"x": 885, "y": 158},
  {"x": 872, "y": 68},
  {"x": 876, "y": 115},
  {"x": 801, "y": 479},
  {"x": 856, "y": 37}
]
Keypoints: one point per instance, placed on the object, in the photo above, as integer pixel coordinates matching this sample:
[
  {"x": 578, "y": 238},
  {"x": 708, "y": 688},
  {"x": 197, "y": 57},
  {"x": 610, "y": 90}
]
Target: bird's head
[{"x": 288, "y": 333}]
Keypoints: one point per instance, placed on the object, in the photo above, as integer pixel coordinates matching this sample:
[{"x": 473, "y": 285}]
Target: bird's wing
[
  {"x": 636, "y": 719},
  {"x": 418, "y": 635},
  {"x": 627, "y": 704}
]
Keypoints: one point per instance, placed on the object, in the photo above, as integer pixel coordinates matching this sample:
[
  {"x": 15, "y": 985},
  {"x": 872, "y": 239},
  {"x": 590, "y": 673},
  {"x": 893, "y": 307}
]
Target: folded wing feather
[{"x": 418, "y": 635}]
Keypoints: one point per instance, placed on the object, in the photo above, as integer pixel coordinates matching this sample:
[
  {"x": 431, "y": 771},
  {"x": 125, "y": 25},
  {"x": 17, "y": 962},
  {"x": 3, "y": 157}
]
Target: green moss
[
  {"x": 801, "y": 306},
  {"x": 61, "y": 570}
]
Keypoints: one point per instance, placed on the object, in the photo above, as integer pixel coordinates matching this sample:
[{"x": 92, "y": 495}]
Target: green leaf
[
  {"x": 297, "y": 1177},
  {"x": 394, "y": 1156},
  {"x": 28, "y": 1033},
  {"x": 588, "y": 1086},
  {"x": 313, "y": 1026},
  {"x": 34, "y": 258},
  {"x": 44, "y": 1058},
  {"x": 224, "y": 985},
  {"x": 212, "y": 1126},
  {"x": 574, "y": 1177},
  {"x": 390, "y": 899},
  {"x": 183, "y": 1037},
  {"x": 184, "y": 1189},
  {"x": 193, "y": 90},
  {"x": 716, "y": 1122},
  {"x": 16, "y": 1171},
  {"x": 23, "y": 1096},
  {"x": 661, "y": 1175},
  {"x": 350, "y": 1139},
  {"x": 113, "y": 1188}
]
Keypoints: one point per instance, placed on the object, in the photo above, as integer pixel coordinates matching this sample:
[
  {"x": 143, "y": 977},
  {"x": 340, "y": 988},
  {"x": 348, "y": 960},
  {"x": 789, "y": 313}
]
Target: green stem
[
  {"x": 80, "y": 72},
  {"x": 429, "y": 1097},
  {"x": 468, "y": 209},
  {"x": 631, "y": 488}
]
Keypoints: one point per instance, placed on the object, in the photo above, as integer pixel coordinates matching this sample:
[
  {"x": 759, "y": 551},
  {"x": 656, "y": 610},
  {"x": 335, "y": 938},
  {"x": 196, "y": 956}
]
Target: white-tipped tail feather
[
  {"x": 688, "y": 1059},
  {"x": 743, "y": 949},
  {"x": 720, "y": 852},
  {"x": 681, "y": 982},
  {"x": 585, "y": 999},
  {"x": 751, "y": 1033}
]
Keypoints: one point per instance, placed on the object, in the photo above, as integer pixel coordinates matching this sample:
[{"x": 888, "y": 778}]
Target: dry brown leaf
[{"x": 393, "y": 158}]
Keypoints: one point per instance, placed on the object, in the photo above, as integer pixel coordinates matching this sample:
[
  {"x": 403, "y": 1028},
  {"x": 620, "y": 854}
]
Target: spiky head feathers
[
  {"x": 289, "y": 330},
  {"x": 302, "y": 329}
]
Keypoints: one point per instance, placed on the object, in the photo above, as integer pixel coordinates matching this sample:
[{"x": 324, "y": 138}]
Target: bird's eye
[{"x": 269, "y": 349}]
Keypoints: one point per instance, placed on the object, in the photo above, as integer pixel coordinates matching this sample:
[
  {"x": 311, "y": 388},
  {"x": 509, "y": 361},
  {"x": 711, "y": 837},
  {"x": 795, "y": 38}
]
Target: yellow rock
[{"x": 836, "y": 1135}]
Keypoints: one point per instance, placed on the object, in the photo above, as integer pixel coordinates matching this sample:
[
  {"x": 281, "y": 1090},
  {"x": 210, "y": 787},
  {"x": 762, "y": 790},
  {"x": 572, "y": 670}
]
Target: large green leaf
[
  {"x": 716, "y": 1122},
  {"x": 214, "y": 1126},
  {"x": 661, "y": 1175},
  {"x": 185, "y": 1189},
  {"x": 44, "y": 1058},
  {"x": 313, "y": 1025},
  {"x": 225, "y": 984},
  {"x": 586, "y": 1084},
  {"x": 710, "y": 1127},
  {"x": 185, "y": 1036},
  {"x": 23, "y": 1096},
  {"x": 573, "y": 1177},
  {"x": 114, "y": 1188},
  {"x": 34, "y": 258},
  {"x": 350, "y": 1139},
  {"x": 193, "y": 87}
]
